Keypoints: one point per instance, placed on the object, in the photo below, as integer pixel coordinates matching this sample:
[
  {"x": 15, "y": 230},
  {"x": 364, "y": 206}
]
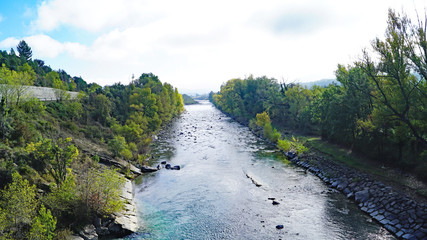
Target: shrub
[
  {"x": 100, "y": 191},
  {"x": 291, "y": 145}
]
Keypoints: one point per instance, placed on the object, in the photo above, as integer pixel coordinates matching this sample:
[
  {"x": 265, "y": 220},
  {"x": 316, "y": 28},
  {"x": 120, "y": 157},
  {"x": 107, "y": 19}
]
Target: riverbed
[{"x": 215, "y": 194}]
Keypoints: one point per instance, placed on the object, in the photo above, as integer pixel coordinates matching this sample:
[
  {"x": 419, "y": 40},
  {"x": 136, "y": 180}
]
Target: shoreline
[
  {"x": 401, "y": 215},
  {"x": 119, "y": 224},
  {"x": 397, "y": 212}
]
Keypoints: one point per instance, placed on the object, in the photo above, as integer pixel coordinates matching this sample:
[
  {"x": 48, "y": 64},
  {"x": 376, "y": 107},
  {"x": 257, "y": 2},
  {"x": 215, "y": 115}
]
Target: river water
[{"x": 211, "y": 197}]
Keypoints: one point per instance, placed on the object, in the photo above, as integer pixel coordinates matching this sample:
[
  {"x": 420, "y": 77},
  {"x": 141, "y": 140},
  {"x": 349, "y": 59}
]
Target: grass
[{"x": 339, "y": 154}]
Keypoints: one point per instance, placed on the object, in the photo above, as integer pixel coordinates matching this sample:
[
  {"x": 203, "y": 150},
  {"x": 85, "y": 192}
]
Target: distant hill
[
  {"x": 320, "y": 83},
  {"x": 188, "y": 100}
]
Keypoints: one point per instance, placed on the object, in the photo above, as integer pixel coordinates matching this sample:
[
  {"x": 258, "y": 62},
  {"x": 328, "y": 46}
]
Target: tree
[
  {"x": 100, "y": 190},
  {"x": 57, "y": 156},
  {"x": 117, "y": 145},
  {"x": 62, "y": 199},
  {"x": 19, "y": 203},
  {"x": 402, "y": 95},
  {"x": 6, "y": 78},
  {"x": 5, "y": 120},
  {"x": 24, "y": 50},
  {"x": 43, "y": 225},
  {"x": 60, "y": 88},
  {"x": 24, "y": 78},
  {"x": 101, "y": 108}
]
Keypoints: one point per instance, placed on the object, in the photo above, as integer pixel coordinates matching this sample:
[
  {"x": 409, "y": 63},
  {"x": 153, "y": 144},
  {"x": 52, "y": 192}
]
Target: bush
[
  {"x": 19, "y": 218},
  {"x": 43, "y": 225},
  {"x": 63, "y": 199},
  {"x": 100, "y": 191},
  {"x": 291, "y": 145}
]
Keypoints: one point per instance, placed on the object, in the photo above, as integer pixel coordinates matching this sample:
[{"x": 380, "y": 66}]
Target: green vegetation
[
  {"x": 291, "y": 145},
  {"x": 188, "y": 100},
  {"x": 19, "y": 210},
  {"x": 379, "y": 108},
  {"x": 51, "y": 183}
]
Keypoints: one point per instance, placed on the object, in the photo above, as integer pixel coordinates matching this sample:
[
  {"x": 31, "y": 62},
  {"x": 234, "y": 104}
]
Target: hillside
[
  {"x": 188, "y": 100},
  {"x": 51, "y": 149}
]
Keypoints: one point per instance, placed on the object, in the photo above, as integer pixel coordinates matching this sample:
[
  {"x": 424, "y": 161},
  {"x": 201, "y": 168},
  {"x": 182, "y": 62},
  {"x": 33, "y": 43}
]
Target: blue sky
[{"x": 197, "y": 45}]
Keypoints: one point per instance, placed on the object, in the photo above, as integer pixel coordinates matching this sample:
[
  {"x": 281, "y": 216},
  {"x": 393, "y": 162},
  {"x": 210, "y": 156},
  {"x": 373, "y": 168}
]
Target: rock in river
[
  {"x": 146, "y": 169},
  {"x": 176, "y": 167}
]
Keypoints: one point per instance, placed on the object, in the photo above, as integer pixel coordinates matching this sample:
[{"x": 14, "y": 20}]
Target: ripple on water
[{"x": 211, "y": 197}]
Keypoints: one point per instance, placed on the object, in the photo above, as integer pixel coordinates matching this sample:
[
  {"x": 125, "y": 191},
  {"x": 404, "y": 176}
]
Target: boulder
[
  {"x": 163, "y": 162},
  {"x": 74, "y": 237},
  {"x": 102, "y": 231},
  {"x": 97, "y": 222},
  {"x": 279, "y": 227},
  {"x": 168, "y": 166},
  {"x": 290, "y": 154},
  {"x": 123, "y": 225},
  {"x": 361, "y": 196},
  {"x": 176, "y": 168},
  {"x": 89, "y": 233},
  {"x": 146, "y": 169},
  {"x": 275, "y": 202}
]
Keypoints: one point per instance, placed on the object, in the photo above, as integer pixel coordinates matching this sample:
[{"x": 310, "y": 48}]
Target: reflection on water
[{"x": 211, "y": 197}]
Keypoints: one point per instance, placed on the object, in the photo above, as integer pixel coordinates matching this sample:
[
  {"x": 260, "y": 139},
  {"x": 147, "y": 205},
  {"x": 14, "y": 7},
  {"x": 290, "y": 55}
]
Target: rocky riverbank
[
  {"x": 118, "y": 225},
  {"x": 398, "y": 213}
]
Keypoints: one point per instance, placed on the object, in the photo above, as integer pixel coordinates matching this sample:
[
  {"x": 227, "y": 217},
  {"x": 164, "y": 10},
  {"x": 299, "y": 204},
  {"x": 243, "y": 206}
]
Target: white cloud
[
  {"x": 93, "y": 16},
  {"x": 9, "y": 42},
  {"x": 200, "y": 44},
  {"x": 44, "y": 46}
]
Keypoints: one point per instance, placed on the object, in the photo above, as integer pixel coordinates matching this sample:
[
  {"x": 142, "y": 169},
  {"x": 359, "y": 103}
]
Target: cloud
[
  {"x": 9, "y": 43},
  {"x": 200, "y": 44},
  {"x": 44, "y": 46},
  {"x": 92, "y": 16}
]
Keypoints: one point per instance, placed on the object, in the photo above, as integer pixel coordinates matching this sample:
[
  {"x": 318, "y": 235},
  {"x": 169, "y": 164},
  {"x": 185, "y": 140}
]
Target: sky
[{"x": 197, "y": 45}]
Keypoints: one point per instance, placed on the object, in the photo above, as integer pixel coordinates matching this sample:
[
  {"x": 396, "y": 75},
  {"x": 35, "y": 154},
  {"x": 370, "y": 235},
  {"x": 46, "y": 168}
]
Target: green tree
[
  {"x": 7, "y": 77},
  {"x": 62, "y": 199},
  {"x": 56, "y": 155},
  {"x": 117, "y": 145},
  {"x": 19, "y": 204},
  {"x": 43, "y": 225},
  {"x": 24, "y": 78},
  {"x": 401, "y": 95},
  {"x": 100, "y": 191},
  {"x": 101, "y": 106},
  {"x": 24, "y": 50},
  {"x": 5, "y": 120}
]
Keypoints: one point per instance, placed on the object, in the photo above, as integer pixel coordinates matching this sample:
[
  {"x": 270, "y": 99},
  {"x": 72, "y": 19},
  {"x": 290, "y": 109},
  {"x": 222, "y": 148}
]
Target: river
[{"x": 211, "y": 197}]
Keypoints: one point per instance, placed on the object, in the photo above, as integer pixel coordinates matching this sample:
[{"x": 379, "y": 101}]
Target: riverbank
[
  {"x": 400, "y": 214},
  {"x": 119, "y": 224}
]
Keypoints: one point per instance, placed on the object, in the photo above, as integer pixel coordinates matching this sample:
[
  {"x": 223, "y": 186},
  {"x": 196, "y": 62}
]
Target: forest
[
  {"x": 49, "y": 185},
  {"x": 378, "y": 109}
]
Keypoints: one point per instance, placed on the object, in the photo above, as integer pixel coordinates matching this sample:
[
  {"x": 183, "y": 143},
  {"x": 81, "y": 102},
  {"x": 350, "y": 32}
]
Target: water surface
[{"x": 211, "y": 197}]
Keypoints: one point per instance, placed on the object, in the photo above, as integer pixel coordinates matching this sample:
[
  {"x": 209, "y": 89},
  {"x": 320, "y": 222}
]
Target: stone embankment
[{"x": 398, "y": 213}]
